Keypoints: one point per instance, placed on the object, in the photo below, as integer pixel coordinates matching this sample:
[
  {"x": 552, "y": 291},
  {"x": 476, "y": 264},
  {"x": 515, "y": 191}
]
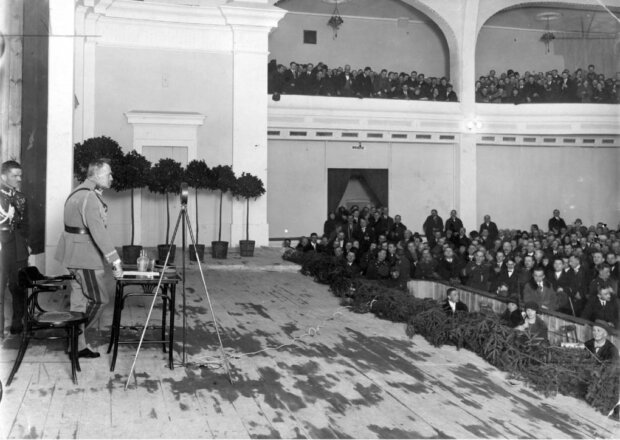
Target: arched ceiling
[
  {"x": 360, "y": 8},
  {"x": 585, "y": 20}
]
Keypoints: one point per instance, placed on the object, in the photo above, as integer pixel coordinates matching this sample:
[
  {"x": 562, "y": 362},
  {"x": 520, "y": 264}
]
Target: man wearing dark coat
[
  {"x": 603, "y": 307},
  {"x": 13, "y": 240},
  {"x": 452, "y": 304},
  {"x": 489, "y": 226},
  {"x": 556, "y": 223},
  {"x": 432, "y": 223},
  {"x": 454, "y": 223}
]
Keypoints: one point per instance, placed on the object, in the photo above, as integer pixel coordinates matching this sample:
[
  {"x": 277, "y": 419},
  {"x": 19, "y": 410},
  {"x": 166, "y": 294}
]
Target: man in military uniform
[
  {"x": 85, "y": 247},
  {"x": 13, "y": 240}
]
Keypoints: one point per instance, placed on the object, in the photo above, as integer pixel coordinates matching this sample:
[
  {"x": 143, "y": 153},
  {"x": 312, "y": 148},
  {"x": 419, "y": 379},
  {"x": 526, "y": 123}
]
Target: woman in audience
[
  {"x": 512, "y": 316},
  {"x": 533, "y": 324}
]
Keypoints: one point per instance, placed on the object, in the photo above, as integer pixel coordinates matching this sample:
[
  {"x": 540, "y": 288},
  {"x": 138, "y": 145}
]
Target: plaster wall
[
  {"x": 378, "y": 43},
  {"x": 420, "y": 178},
  {"x": 168, "y": 81},
  {"x": 521, "y": 185}
]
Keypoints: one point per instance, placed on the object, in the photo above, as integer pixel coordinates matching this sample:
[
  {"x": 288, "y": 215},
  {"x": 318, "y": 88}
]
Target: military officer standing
[
  {"x": 85, "y": 247},
  {"x": 13, "y": 240}
]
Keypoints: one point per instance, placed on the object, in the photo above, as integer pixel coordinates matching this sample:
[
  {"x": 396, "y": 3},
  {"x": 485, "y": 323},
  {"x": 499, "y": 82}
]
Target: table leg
[
  {"x": 163, "y": 315},
  {"x": 118, "y": 307}
]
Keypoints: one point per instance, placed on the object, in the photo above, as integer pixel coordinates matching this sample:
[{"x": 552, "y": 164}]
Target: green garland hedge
[{"x": 545, "y": 368}]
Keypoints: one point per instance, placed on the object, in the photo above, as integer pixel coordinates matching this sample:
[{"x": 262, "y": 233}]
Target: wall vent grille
[
  {"x": 298, "y": 133},
  {"x": 350, "y": 135}
]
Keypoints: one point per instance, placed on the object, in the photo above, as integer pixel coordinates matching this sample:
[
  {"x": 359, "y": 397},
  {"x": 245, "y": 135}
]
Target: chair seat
[{"x": 59, "y": 318}]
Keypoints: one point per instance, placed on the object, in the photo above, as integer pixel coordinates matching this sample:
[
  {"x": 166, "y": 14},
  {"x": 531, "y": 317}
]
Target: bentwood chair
[{"x": 39, "y": 321}]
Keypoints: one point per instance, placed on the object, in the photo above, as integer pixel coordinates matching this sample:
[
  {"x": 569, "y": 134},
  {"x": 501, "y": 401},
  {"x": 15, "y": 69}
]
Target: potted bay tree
[
  {"x": 165, "y": 178},
  {"x": 132, "y": 175},
  {"x": 197, "y": 176},
  {"x": 248, "y": 187},
  {"x": 222, "y": 179},
  {"x": 101, "y": 147}
]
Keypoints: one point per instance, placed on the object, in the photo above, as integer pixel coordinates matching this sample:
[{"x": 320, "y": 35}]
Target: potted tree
[
  {"x": 132, "y": 175},
  {"x": 222, "y": 179},
  {"x": 165, "y": 178},
  {"x": 92, "y": 149},
  {"x": 197, "y": 176},
  {"x": 248, "y": 187}
]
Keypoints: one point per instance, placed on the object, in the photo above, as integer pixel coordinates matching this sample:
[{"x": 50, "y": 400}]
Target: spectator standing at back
[
  {"x": 489, "y": 226},
  {"x": 556, "y": 223},
  {"x": 432, "y": 223},
  {"x": 384, "y": 222},
  {"x": 453, "y": 223}
]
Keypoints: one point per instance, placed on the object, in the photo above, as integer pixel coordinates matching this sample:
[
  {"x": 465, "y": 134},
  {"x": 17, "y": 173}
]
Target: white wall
[
  {"x": 378, "y": 43},
  {"x": 421, "y": 177},
  {"x": 166, "y": 80},
  {"x": 520, "y": 50},
  {"x": 521, "y": 185}
]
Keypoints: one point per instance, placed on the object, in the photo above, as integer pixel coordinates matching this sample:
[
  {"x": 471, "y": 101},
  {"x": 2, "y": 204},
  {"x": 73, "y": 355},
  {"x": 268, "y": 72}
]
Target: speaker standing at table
[{"x": 85, "y": 247}]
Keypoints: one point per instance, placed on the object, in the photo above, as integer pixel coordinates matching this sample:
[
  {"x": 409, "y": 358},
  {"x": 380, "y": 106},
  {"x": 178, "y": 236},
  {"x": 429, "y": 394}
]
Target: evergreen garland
[{"x": 547, "y": 369}]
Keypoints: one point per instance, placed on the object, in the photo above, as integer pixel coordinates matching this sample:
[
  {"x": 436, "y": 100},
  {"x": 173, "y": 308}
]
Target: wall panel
[{"x": 521, "y": 185}]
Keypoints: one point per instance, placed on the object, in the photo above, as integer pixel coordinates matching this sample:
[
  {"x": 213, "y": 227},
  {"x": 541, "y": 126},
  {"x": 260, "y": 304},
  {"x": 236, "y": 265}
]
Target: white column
[
  {"x": 467, "y": 169},
  {"x": 250, "y": 25},
  {"x": 59, "y": 125}
]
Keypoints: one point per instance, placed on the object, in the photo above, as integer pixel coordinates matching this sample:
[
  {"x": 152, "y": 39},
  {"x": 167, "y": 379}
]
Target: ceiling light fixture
[{"x": 335, "y": 21}]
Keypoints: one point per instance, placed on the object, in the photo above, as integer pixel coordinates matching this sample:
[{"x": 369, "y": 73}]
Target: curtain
[
  {"x": 377, "y": 181},
  {"x": 34, "y": 118},
  {"x": 337, "y": 181}
]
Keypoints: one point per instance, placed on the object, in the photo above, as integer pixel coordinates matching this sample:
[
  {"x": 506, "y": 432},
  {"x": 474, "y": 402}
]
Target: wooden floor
[{"x": 354, "y": 376}]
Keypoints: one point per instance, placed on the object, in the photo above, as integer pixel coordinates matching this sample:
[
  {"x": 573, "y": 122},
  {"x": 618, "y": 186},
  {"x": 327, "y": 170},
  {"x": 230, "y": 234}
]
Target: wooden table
[{"x": 148, "y": 285}]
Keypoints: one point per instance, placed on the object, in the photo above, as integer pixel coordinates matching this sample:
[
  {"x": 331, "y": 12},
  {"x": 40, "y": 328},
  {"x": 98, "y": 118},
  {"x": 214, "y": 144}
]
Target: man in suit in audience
[
  {"x": 397, "y": 231},
  {"x": 510, "y": 276},
  {"x": 561, "y": 283},
  {"x": 525, "y": 273},
  {"x": 539, "y": 290},
  {"x": 383, "y": 223},
  {"x": 313, "y": 244},
  {"x": 432, "y": 223},
  {"x": 477, "y": 274},
  {"x": 614, "y": 264},
  {"x": 449, "y": 267},
  {"x": 556, "y": 223},
  {"x": 363, "y": 84},
  {"x": 351, "y": 268},
  {"x": 452, "y": 304},
  {"x": 454, "y": 223},
  {"x": 603, "y": 306},
  {"x": 365, "y": 234},
  {"x": 578, "y": 282},
  {"x": 489, "y": 226},
  {"x": 602, "y": 280}
]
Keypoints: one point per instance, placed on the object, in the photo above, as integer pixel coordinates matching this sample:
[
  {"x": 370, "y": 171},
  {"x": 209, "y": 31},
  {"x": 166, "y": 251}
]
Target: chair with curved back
[{"x": 39, "y": 320}]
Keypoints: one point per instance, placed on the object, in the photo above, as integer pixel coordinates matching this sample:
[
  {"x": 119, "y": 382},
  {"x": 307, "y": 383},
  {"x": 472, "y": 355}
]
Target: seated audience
[
  {"x": 532, "y": 323},
  {"x": 452, "y": 304},
  {"x": 599, "y": 345}
]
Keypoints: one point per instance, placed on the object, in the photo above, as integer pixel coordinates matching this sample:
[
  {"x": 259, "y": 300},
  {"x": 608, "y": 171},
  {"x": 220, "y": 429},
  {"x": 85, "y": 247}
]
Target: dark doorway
[{"x": 347, "y": 187}]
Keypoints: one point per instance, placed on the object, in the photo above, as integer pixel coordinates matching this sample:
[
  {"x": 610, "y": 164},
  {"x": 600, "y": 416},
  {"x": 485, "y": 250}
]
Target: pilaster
[
  {"x": 59, "y": 124},
  {"x": 250, "y": 24}
]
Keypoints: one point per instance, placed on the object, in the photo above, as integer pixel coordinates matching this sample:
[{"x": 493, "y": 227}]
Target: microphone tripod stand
[{"x": 185, "y": 222}]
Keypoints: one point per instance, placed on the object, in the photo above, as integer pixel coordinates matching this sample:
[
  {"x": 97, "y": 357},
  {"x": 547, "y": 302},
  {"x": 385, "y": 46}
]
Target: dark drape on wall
[
  {"x": 338, "y": 179},
  {"x": 34, "y": 117}
]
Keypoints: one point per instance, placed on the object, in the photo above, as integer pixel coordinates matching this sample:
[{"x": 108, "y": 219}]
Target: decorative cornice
[
  {"x": 252, "y": 14},
  {"x": 164, "y": 118}
]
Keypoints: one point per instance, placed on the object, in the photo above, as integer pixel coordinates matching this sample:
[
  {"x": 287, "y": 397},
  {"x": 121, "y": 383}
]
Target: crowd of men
[
  {"x": 572, "y": 269},
  {"x": 308, "y": 79},
  {"x": 530, "y": 87}
]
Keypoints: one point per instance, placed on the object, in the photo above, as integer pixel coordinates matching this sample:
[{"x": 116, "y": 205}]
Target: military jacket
[
  {"x": 86, "y": 209},
  {"x": 14, "y": 221}
]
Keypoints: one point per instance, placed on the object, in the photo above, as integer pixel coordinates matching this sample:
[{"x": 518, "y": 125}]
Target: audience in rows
[
  {"x": 565, "y": 87},
  {"x": 573, "y": 269},
  {"x": 308, "y": 79}
]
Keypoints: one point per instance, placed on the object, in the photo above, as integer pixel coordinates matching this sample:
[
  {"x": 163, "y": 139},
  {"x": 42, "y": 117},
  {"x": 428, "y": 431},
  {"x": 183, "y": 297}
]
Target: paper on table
[{"x": 140, "y": 274}]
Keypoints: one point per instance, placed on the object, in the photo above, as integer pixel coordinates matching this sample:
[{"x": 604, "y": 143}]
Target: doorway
[{"x": 358, "y": 186}]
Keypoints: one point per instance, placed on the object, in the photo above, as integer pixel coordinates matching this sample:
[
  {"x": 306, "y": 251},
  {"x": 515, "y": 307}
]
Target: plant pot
[
  {"x": 162, "y": 251},
  {"x": 131, "y": 254},
  {"x": 200, "y": 249},
  {"x": 219, "y": 249},
  {"x": 246, "y": 248}
]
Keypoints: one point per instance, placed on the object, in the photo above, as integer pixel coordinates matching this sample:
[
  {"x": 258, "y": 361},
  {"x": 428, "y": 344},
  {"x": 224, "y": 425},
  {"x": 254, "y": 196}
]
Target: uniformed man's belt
[
  {"x": 74, "y": 230},
  {"x": 5, "y": 228}
]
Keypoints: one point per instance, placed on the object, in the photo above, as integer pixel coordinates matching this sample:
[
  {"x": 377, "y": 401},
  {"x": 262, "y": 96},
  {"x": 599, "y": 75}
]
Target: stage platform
[{"x": 337, "y": 374}]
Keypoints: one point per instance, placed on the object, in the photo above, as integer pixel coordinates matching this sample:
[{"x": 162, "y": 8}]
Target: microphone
[{"x": 184, "y": 193}]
